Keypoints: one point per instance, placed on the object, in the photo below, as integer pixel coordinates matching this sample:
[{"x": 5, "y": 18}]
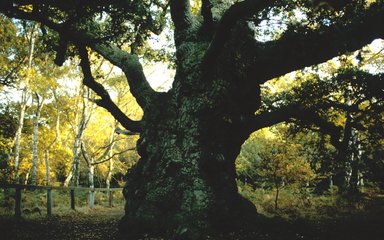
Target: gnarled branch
[
  {"x": 129, "y": 63},
  {"x": 206, "y": 12},
  {"x": 182, "y": 19},
  {"x": 105, "y": 100},
  {"x": 124, "y": 132},
  {"x": 235, "y": 13},
  {"x": 132, "y": 69},
  {"x": 308, "y": 116},
  {"x": 61, "y": 51},
  {"x": 295, "y": 51}
]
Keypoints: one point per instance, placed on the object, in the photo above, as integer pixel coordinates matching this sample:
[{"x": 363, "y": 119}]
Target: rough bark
[{"x": 184, "y": 184}]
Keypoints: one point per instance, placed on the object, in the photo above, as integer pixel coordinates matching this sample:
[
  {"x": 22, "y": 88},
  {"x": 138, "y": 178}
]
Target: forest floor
[{"x": 102, "y": 223}]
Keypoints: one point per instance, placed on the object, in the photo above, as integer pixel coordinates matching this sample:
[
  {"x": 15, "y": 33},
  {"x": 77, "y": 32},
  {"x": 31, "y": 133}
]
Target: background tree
[
  {"x": 274, "y": 163},
  {"x": 348, "y": 103},
  {"x": 86, "y": 111},
  {"x": 7, "y": 118},
  {"x": 12, "y": 50},
  {"x": 25, "y": 95}
]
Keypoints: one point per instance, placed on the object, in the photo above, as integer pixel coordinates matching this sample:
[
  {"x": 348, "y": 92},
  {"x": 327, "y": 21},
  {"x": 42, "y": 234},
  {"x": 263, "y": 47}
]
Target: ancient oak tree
[{"x": 184, "y": 184}]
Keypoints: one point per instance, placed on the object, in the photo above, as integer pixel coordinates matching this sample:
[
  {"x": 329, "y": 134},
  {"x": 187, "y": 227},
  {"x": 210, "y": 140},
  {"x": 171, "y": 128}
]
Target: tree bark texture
[{"x": 184, "y": 184}]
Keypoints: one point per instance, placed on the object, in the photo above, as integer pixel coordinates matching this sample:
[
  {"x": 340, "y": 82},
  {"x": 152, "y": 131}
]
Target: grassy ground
[{"x": 327, "y": 217}]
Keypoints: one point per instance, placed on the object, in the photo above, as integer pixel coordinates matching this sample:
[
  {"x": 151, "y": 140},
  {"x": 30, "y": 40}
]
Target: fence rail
[{"x": 19, "y": 187}]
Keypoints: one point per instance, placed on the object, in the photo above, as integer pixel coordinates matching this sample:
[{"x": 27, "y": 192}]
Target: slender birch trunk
[
  {"x": 110, "y": 171},
  {"x": 39, "y": 105},
  {"x": 17, "y": 140},
  {"x": 57, "y": 138},
  {"x": 91, "y": 185},
  {"x": 73, "y": 176},
  {"x": 110, "y": 155},
  {"x": 23, "y": 104}
]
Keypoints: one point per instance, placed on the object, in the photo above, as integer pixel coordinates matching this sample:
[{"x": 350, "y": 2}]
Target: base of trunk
[{"x": 189, "y": 224}]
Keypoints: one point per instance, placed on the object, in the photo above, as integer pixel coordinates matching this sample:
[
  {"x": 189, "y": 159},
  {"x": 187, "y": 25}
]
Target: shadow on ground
[{"x": 95, "y": 225}]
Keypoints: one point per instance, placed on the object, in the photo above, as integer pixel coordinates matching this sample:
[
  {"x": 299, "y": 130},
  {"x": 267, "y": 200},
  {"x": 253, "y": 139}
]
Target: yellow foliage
[
  {"x": 195, "y": 6},
  {"x": 26, "y": 8}
]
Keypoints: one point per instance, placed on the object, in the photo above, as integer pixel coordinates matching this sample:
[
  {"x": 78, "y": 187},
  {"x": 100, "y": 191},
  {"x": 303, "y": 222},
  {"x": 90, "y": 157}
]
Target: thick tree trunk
[{"x": 184, "y": 184}]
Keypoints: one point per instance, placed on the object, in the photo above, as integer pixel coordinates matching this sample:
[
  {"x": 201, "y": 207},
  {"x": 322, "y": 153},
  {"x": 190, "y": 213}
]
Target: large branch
[
  {"x": 68, "y": 5},
  {"x": 182, "y": 19},
  {"x": 132, "y": 69},
  {"x": 325, "y": 126},
  {"x": 113, "y": 54},
  {"x": 284, "y": 114},
  {"x": 236, "y": 12},
  {"x": 206, "y": 12},
  {"x": 129, "y": 63},
  {"x": 295, "y": 51},
  {"x": 105, "y": 100}
]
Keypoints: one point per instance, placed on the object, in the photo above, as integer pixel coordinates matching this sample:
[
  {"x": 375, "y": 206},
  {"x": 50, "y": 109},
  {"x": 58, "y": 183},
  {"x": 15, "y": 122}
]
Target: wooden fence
[{"x": 19, "y": 187}]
